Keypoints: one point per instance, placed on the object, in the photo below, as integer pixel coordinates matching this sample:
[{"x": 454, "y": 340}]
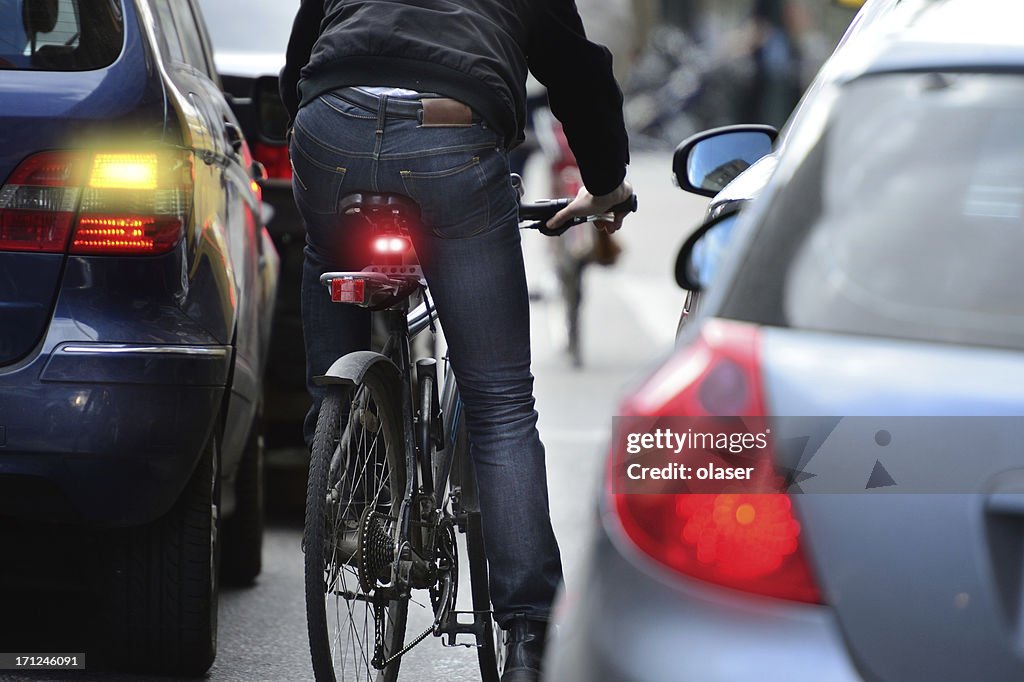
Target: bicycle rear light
[
  {"x": 749, "y": 541},
  {"x": 391, "y": 245}
]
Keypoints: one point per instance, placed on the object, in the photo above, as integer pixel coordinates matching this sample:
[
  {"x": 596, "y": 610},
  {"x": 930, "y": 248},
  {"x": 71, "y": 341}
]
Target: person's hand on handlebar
[{"x": 586, "y": 204}]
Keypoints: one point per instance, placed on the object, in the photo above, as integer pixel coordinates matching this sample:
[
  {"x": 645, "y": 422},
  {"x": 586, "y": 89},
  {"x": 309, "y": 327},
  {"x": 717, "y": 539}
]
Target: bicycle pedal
[{"x": 450, "y": 630}]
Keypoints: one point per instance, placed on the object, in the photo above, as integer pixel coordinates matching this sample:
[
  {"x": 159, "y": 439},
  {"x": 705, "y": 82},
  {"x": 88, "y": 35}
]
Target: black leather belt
[{"x": 430, "y": 110}]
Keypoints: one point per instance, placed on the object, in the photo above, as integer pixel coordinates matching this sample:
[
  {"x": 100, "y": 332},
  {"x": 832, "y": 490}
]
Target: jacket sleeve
[
  {"x": 582, "y": 92},
  {"x": 305, "y": 31}
]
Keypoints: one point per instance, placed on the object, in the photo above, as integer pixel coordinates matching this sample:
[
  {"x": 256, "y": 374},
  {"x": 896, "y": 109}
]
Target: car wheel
[
  {"x": 242, "y": 554},
  {"x": 162, "y": 600}
]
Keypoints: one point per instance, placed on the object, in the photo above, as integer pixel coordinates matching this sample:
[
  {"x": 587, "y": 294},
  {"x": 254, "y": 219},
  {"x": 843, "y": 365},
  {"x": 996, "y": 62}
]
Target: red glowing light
[{"x": 391, "y": 245}]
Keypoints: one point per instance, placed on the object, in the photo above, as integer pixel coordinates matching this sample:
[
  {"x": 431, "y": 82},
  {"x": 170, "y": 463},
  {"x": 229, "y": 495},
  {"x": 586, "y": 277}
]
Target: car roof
[{"x": 929, "y": 35}]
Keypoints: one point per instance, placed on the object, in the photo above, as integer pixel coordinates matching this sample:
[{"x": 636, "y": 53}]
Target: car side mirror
[
  {"x": 708, "y": 161},
  {"x": 271, "y": 117},
  {"x": 702, "y": 252}
]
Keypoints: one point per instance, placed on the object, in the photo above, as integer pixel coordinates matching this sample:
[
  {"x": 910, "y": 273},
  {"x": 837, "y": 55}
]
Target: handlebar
[{"x": 541, "y": 211}]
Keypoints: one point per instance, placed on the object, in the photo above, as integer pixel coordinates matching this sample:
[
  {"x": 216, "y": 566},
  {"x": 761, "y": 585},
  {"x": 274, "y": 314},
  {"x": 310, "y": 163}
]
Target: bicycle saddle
[{"x": 380, "y": 204}]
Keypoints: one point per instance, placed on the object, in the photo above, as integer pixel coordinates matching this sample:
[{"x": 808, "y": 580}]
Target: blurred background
[{"x": 707, "y": 63}]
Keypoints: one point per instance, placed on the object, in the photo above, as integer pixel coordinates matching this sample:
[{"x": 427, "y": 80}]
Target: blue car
[{"x": 136, "y": 292}]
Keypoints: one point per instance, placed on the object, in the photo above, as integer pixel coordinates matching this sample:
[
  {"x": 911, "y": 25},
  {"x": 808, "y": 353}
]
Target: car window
[
  {"x": 249, "y": 25},
  {"x": 906, "y": 218},
  {"x": 188, "y": 33},
  {"x": 169, "y": 30},
  {"x": 66, "y": 35}
]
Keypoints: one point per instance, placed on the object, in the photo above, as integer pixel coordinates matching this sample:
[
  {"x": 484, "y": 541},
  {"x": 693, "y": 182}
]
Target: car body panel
[
  {"x": 69, "y": 118},
  {"x": 141, "y": 359},
  {"x": 960, "y": 407},
  {"x": 627, "y": 619},
  {"x": 242, "y": 56}
]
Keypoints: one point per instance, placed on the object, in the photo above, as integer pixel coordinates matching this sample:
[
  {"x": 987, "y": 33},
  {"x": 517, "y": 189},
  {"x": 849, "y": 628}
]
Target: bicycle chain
[
  {"x": 406, "y": 649},
  {"x": 379, "y": 662}
]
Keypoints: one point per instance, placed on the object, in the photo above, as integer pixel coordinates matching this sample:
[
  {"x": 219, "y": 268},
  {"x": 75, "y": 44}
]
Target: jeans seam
[
  {"x": 378, "y": 146},
  {"x": 439, "y": 151},
  {"x": 346, "y": 113},
  {"x": 295, "y": 174},
  {"x": 475, "y": 161}
]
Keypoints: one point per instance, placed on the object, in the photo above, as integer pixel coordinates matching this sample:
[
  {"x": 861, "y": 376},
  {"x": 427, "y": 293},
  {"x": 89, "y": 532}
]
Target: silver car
[{"x": 869, "y": 309}]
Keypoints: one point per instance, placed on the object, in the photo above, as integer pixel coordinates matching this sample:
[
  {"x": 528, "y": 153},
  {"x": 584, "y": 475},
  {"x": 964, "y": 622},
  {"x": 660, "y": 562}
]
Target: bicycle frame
[{"x": 440, "y": 493}]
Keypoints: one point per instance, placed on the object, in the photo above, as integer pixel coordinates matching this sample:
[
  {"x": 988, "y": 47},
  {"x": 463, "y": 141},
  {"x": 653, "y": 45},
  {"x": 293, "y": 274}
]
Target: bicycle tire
[
  {"x": 339, "y": 503},
  {"x": 488, "y": 653}
]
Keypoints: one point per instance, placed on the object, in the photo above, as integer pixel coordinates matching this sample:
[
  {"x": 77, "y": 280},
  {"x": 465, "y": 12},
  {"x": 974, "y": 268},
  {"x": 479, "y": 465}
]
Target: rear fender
[{"x": 350, "y": 369}]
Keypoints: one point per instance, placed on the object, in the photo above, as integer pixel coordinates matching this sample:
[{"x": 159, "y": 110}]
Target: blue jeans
[{"x": 470, "y": 252}]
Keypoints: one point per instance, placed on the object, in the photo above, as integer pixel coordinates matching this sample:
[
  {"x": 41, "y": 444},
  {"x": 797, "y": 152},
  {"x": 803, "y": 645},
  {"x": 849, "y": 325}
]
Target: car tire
[
  {"x": 242, "y": 553},
  {"x": 162, "y": 600}
]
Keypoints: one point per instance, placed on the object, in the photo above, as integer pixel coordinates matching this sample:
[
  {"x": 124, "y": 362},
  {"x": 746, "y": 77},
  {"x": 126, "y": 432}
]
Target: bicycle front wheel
[{"x": 356, "y": 483}]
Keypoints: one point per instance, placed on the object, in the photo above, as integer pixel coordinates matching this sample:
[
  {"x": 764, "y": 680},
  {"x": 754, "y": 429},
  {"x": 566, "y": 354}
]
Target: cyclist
[{"x": 425, "y": 98}]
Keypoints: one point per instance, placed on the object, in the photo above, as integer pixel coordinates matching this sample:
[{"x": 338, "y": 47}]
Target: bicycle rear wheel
[{"x": 356, "y": 483}]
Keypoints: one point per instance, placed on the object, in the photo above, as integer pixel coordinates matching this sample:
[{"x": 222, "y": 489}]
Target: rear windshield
[
  {"x": 249, "y": 25},
  {"x": 906, "y": 219},
  {"x": 60, "y": 35}
]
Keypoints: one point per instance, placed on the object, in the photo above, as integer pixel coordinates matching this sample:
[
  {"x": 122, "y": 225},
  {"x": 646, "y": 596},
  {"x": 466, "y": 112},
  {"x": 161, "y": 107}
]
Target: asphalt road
[{"x": 629, "y": 321}]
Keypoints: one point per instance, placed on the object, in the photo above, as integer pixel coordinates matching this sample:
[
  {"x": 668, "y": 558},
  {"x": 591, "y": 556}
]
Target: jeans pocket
[
  {"x": 315, "y": 184},
  {"x": 345, "y": 108},
  {"x": 454, "y": 199}
]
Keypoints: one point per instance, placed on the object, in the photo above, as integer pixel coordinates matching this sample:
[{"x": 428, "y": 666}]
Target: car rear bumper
[
  {"x": 628, "y": 620},
  {"x": 106, "y": 434}
]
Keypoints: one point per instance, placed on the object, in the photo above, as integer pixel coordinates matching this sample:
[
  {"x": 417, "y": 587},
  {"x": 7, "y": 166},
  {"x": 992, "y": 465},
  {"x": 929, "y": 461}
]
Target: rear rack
[{"x": 371, "y": 288}]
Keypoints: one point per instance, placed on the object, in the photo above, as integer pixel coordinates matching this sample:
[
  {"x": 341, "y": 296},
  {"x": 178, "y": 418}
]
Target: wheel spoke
[{"x": 364, "y": 473}]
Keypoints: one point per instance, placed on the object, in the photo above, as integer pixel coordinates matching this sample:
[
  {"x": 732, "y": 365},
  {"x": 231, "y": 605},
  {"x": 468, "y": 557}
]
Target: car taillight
[
  {"x": 38, "y": 203},
  {"x": 133, "y": 203},
  {"x": 275, "y": 159},
  {"x": 747, "y": 541}
]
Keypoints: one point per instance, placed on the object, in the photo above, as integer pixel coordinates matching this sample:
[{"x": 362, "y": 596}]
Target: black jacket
[{"x": 476, "y": 51}]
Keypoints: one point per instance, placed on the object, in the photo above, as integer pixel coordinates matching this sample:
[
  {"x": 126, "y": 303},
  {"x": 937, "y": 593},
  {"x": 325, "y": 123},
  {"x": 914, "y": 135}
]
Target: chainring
[{"x": 443, "y": 593}]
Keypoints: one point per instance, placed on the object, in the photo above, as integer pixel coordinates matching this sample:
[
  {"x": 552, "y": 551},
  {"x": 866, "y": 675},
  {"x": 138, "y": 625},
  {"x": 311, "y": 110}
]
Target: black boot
[{"x": 524, "y": 649}]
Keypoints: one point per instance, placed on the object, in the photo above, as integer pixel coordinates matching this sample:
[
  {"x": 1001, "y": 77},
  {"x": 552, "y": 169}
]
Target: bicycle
[{"x": 391, "y": 482}]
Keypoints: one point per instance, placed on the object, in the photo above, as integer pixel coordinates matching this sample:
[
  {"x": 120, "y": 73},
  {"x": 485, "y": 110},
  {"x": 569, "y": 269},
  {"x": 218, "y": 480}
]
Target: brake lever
[
  {"x": 629, "y": 206},
  {"x": 541, "y": 226}
]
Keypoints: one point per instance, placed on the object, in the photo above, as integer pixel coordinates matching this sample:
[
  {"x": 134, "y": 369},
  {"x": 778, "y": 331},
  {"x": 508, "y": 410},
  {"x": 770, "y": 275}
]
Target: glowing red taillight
[
  {"x": 38, "y": 203},
  {"x": 391, "y": 245},
  {"x": 130, "y": 203},
  {"x": 111, "y": 235},
  {"x": 748, "y": 541},
  {"x": 274, "y": 158}
]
